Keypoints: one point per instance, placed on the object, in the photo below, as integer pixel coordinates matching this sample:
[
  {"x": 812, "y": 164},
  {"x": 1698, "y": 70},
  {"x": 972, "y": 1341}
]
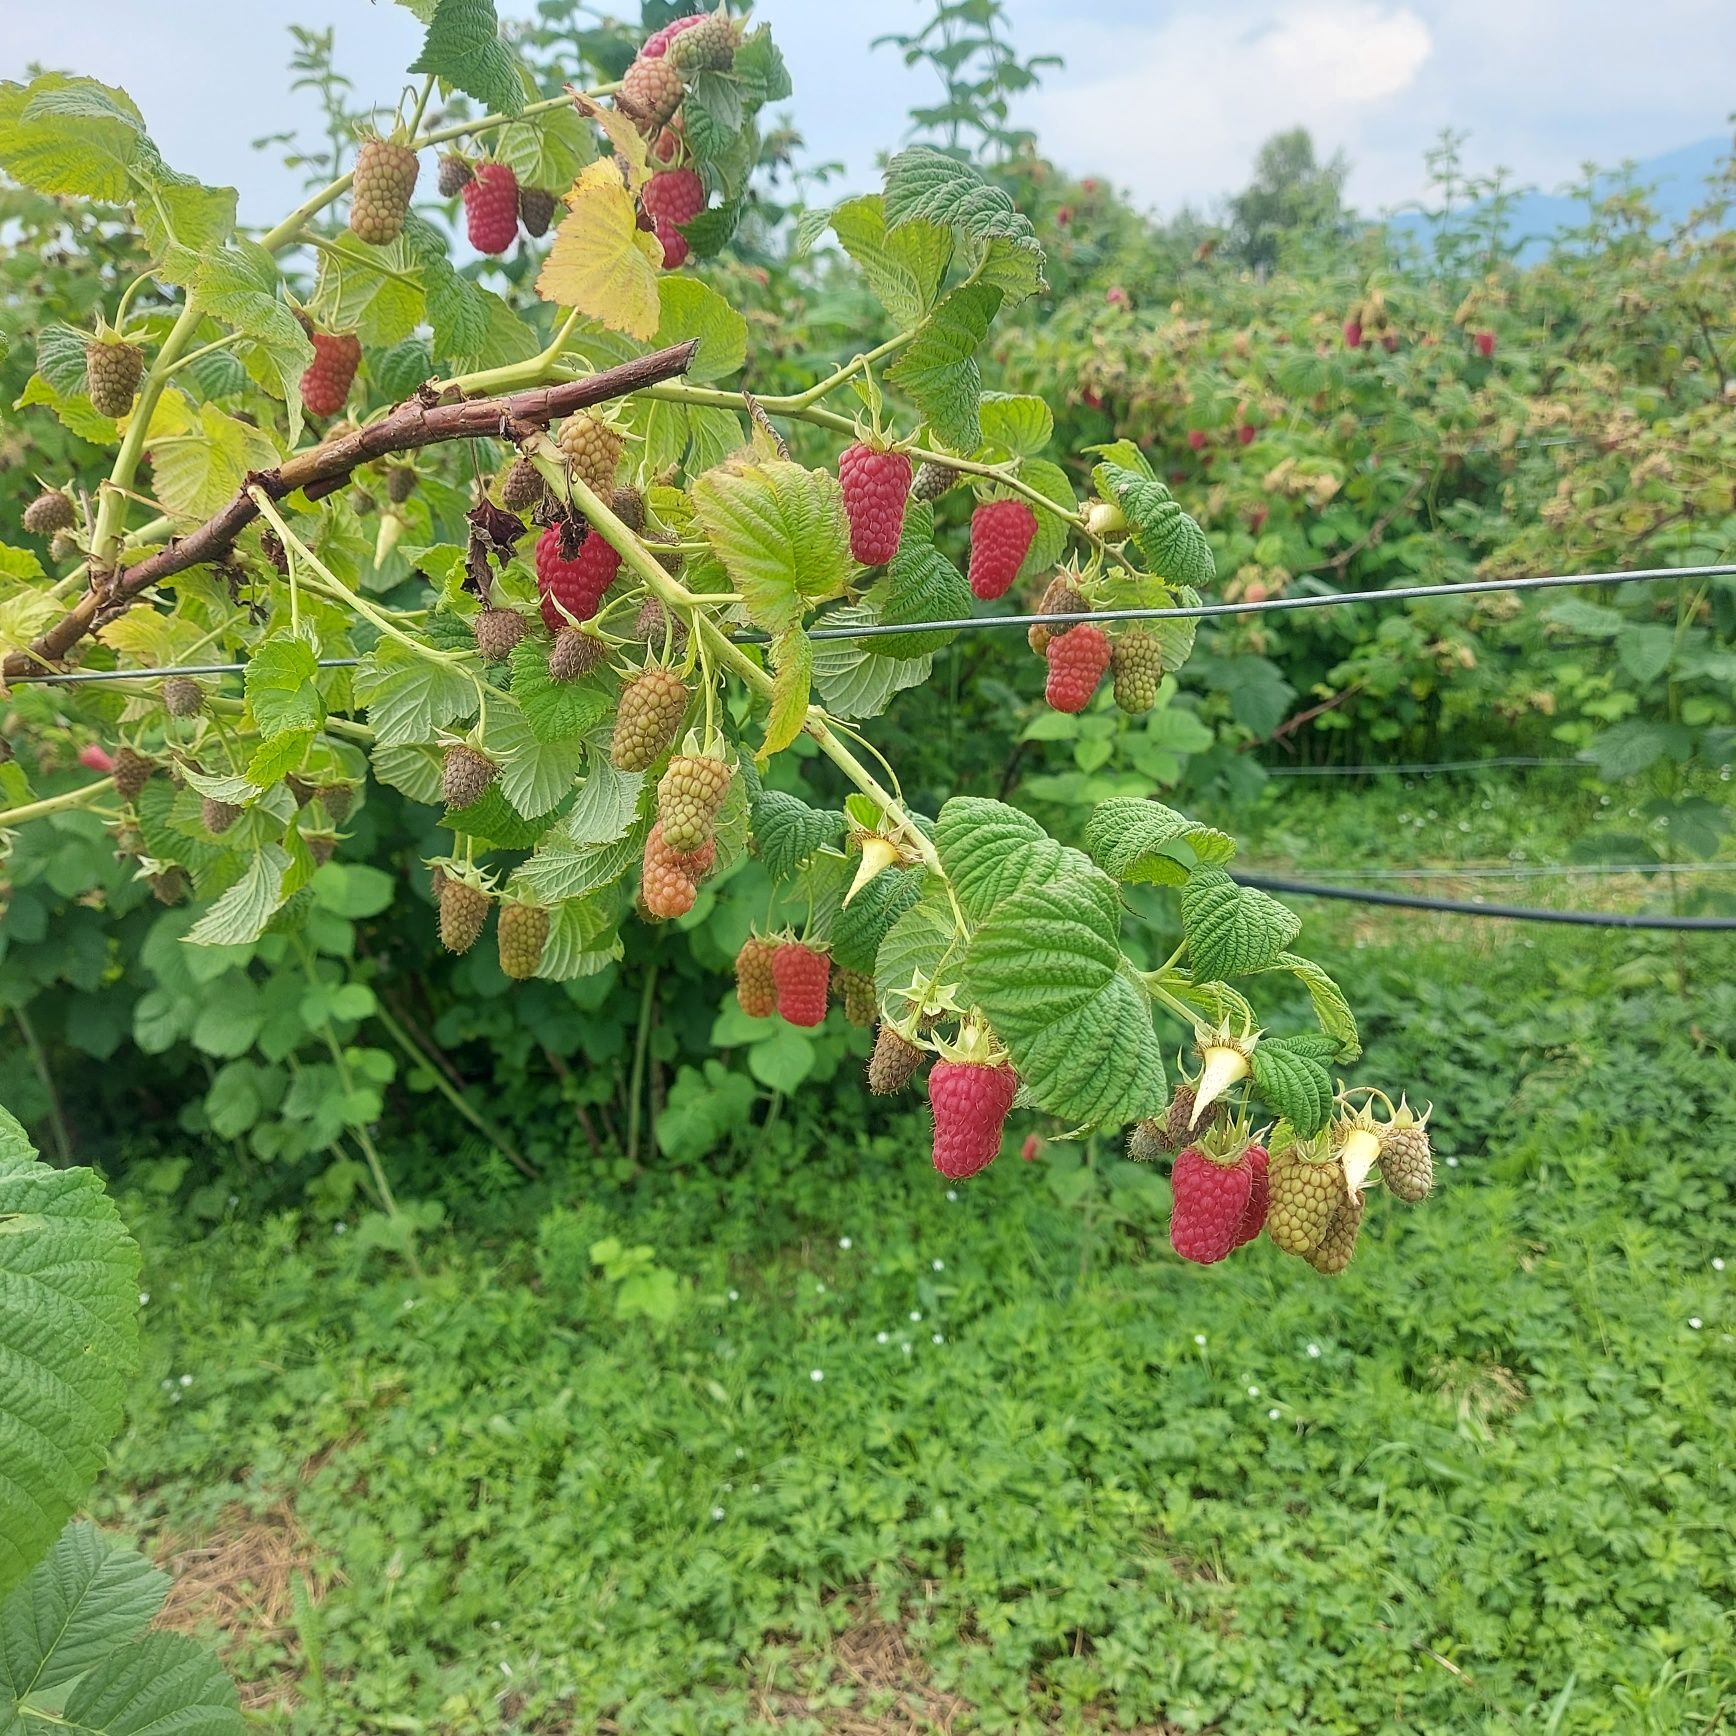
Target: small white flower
[
  {"x": 1253, "y": 1392},
  {"x": 1274, "y": 1413},
  {"x": 1199, "y": 1338},
  {"x": 495, "y": 1625},
  {"x": 905, "y": 1347},
  {"x": 1717, "y": 1266},
  {"x": 756, "y": 1488},
  {"x": 741, "y": 1452},
  {"x": 819, "y": 1289},
  {"x": 939, "y": 1338},
  {"x": 952, "y": 1193},
  {"x": 174, "y": 1398},
  {"x": 1694, "y": 1321},
  {"x": 1452, "y": 1163},
  {"x": 717, "y": 1512},
  {"x": 339, "y": 1227},
  {"x": 145, "y": 1295},
  {"x": 1313, "y": 1349},
  {"x": 939, "y": 1265},
  {"x": 915, "y": 1313},
  {"x": 735, "y": 1295},
  {"x": 186, "y": 1380},
  {"x": 882, "y": 1337},
  {"x": 844, "y": 1242},
  {"x": 816, "y": 1374},
  {"x": 234, "y": 1201}
]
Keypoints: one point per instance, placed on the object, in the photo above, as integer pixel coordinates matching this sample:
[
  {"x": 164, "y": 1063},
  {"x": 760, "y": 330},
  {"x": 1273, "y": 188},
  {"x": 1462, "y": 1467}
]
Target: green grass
[{"x": 1482, "y": 1483}]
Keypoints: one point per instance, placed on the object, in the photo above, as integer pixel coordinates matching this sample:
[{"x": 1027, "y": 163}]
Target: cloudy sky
[{"x": 1170, "y": 99}]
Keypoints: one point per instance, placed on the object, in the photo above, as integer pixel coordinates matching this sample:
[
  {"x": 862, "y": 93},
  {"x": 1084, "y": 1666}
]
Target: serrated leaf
[
  {"x": 280, "y": 686},
  {"x": 788, "y": 832},
  {"x": 607, "y": 799},
  {"x": 1046, "y": 968},
  {"x": 278, "y": 755},
  {"x": 922, "y": 946},
  {"x": 1292, "y": 1085},
  {"x": 1173, "y": 545},
  {"x": 779, "y": 530},
  {"x": 582, "y": 940},
  {"x": 463, "y": 48},
  {"x": 494, "y": 819},
  {"x": 760, "y": 69},
  {"x": 370, "y": 290},
  {"x": 237, "y": 285},
  {"x": 1626, "y": 749},
  {"x": 1017, "y": 423},
  {"x": 861, "y": 925},
  {"x": 1645, "y": 652},
  {"x": 1131, "y": 838},
  {"x": 858, "y": 679},
  {"x": 1232, "y": 930},
  {"x": 548, "y": 151},
  {"x": 161, "y": 1684},
  {"x": 991, "y": 851},
  {"x": 792, "y": 655},
  {"x": 199, "y": 467},
  {"x": 1053, "y": 483},
  {"x": 559, "y": 869},
  {"x": 926, "y": 185},
  {"x": 556, "y": 710},
  {"x": 70, "y": 136},
  {"x": 409, "y": 698},
  {"x": 242, "y": 913},
  {"x": 919, "y": 584},
  {"x": 691, "y": 309},
  {"x": 85, "y": 1597},
  {"x": 938, "y": 369},
  {"x": 413, "y": 768},
  {"x": 69, "y": 1276},
  {"x": 1331, "y": 1009},
  {"x": 601, "y": 262},
  {"x": 535, "y": 775},
  {"x": 905, "y": 268}
]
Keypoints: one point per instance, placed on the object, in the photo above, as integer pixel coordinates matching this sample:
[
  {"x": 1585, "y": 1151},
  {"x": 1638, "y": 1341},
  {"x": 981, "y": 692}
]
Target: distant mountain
[{"x": 1679, "y": 179}]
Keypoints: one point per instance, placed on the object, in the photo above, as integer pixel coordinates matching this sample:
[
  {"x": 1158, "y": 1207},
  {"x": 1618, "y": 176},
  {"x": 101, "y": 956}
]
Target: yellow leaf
[
  {"x": 624, "y": 138},
  {"x": 792, "y": 671},
  {"x": 601, "y": 262}
]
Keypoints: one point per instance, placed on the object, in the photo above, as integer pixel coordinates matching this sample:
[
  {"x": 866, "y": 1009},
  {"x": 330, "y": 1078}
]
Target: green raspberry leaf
[
  {"x": 410, "y": 698},
  {"x": 862, "y": 924},
  {"x": 926, "y": 185},
  {"x": 990, "y": 851},
  {"x": 938, "y": 368},
  {"x": 237, "y": 285},
  {"x": 556, "y": 710},
  {"x": 69, "y": 1278},
  {"x": 922, "y": 946},
  {"x": 494, "y": 820},
  {"x": 1331, "y": 1009},
  {"x": 1018, "y": 424},
  {"x": 160, "y": 1682},
  {"x": 905, "y": 267},
  {"x": 1053, "y": 483},
  {"x": 583, "y": 939},
  {"x": 854, "y": 678},
  {"x": 463, "y": 48},
  {"x": 536, "y": 775},
  {"x": 788, "y": 831},
  {"x": 1174, "y": 546},
  {"x": 1134, "y": 839},
  {"x": 242, "y": 914},
  {"x": 792, "y": 679},
  {"x": 780, "y": 531},
  {"x": 70, "y": 135},
  {"x": 1292, "y": 1085},
  {"x": 919, "y": 584},
  {"x": 280, "y": 687},
  {"x": 1232, "y": 930},
  {"x": 692, "y": 309}
]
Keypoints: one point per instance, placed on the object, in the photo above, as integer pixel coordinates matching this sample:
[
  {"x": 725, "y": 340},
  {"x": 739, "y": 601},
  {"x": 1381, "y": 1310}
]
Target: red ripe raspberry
[
  {"x": 1210, "y": 1203},
  {"x": 1245, "y": 433},
  {"x": 970, "y": 1103},
  {"x": 1259, "y": 1197},
  {"x": 1001, "y": 532},
  {"x": 657, "y": 43},
  {"x": 1077, "y": 659},
  {"x": 876, "y": 485},
  {"x": 1196, "y": 438},
  {"x": 755, "y": 986},
  {"x": 651, "y": 92},
  {"x": 491, "y": 208},
  {"x": 1353, "y": 334},
  {"x": 1486, "y": 345},
  {"x": 803, "y": 977},
  {"x": 673, "y": 197},
  {"x": 327, "y": 382},
  {"x": 576, "y": 585}
]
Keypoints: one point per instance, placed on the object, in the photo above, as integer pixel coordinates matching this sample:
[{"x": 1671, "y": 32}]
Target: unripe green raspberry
[
  {"x": 934, "y": 479},
  {"x": 400, "y": 483},
  {"x": 183, "y": 696},
  {"x": 574, "y": 654},
  {"x": 49, "y": 512},
  {"x": 497, "y": 632},
  {"x": 132, "y": 772},
  {"x": 1407, "y": 1165},
  {"x": 652, "y": 706},
  {"x": 856, "y": 991},
  {"x": 593, "y": 449},
  {"x": 708, "y": 46},
  {"x": 1331, "y": 1254},
  {"x": 894, "y": 1060},
  {"x": 654, "y": 625},
  {"x": 465, "y": 774},
  {"x": 63, "y": 547},
  {"x": 536, "y": 209},
  {"x": 453, "y": 176},
  {"x": 463, "y": 912},
  {"x": 522, "y": 486},
  {"x": 651, "y": 92},
  {"x": 689, "y": 794},
  {"x": 218, "y": 815},
  {"x": 384, "y": 179},
  {"x": 1137, "y": 662},
  {"x": 111, "y": 372},
  {"x": 521, "y": 933},
  {"x": 1305, "y": 1193}
]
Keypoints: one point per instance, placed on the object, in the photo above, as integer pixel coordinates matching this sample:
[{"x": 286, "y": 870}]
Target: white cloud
[{"x": 1177, "y": 112}]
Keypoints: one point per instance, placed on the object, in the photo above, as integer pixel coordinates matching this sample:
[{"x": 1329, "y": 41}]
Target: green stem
[
  {"x": 421, "y": 105},
  {"x": 641, "y": 1046},
  {"x": 39, "y": 1060},
  {"x": 84, "y": 794},
  {"x": 108, "y": 536},
  {"x": 512, "y": 376},
  {"x": 452, "y": 1095}
]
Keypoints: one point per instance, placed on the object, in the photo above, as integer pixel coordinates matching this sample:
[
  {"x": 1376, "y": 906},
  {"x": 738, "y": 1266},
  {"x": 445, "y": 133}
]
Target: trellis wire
[
  {"x": 1502, "y": 912},
  {"x": 1534, "y": 870},
  {"x": 1389, "y": 770},
  {"x": 980, "y": 623}
]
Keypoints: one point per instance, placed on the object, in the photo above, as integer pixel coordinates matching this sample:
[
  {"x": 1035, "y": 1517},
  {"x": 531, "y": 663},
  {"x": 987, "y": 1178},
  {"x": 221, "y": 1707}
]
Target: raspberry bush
[{"x": 598, "y": 670}]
